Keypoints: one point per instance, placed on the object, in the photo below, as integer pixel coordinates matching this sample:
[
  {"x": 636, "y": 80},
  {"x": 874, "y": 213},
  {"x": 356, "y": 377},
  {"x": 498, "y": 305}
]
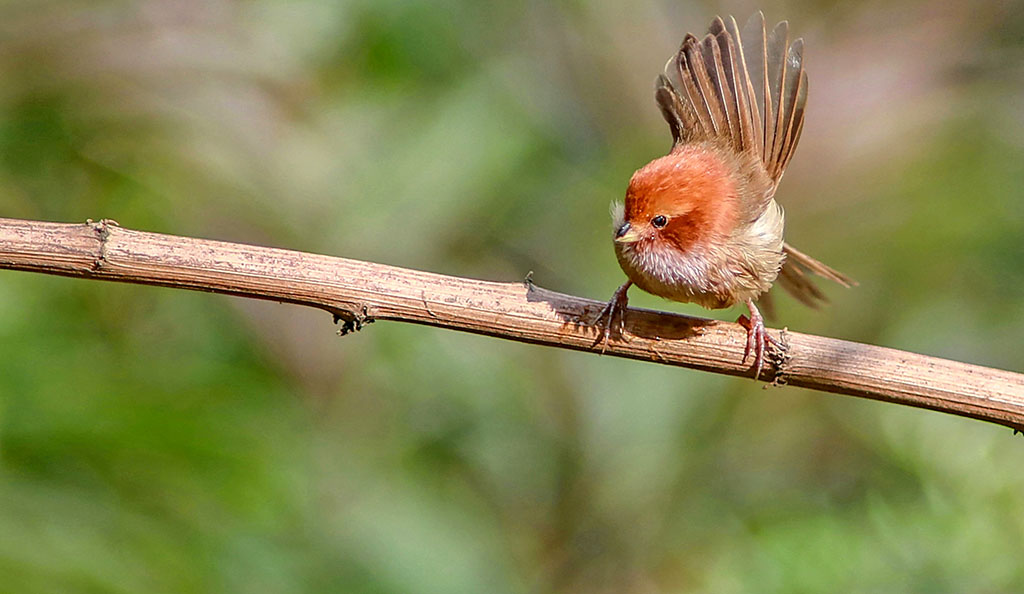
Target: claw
[
  {"x": 615, "y": 308},
  {"x": 757, "y": 338}
]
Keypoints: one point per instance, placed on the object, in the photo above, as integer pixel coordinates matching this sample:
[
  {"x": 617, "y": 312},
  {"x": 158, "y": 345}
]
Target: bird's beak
[{"x": 626, "y": 234}]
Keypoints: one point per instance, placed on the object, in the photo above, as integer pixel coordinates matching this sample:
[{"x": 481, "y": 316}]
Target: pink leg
[
  {"x": 616, "y": 308},
  {"x": 757, "y": 337}
]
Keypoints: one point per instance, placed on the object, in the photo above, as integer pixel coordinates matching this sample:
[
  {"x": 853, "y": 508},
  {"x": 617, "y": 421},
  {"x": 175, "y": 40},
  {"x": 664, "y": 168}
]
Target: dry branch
[{"x": 361, "y": 292}]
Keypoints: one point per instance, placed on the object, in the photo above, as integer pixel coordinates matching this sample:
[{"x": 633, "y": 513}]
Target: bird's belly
[
  {"x": 715, "y": 279},
  {"x": 707, "y": 297}
]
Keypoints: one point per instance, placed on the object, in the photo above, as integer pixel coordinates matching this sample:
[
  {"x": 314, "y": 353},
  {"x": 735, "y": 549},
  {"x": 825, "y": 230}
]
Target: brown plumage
[{"x": 701, "y": 223}]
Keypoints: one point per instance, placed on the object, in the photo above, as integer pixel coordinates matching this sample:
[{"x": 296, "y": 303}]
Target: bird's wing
[{"x": 746, "y": 91}]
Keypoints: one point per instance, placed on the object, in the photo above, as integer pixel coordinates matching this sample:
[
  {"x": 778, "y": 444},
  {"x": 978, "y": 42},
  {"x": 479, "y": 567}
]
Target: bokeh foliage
[{"x": 162, "y": 441}]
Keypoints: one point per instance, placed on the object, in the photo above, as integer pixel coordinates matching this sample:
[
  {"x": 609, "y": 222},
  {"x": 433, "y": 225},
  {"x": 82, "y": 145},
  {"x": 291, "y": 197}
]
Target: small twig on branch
[{"x": 361, "y": 292}]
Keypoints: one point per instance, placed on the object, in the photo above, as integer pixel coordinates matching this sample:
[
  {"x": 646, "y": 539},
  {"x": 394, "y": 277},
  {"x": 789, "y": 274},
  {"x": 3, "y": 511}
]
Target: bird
[{"x": 701, "y": 224}]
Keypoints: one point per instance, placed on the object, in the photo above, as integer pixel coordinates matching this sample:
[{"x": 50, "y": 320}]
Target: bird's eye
[{"x": 659, "y": 221}]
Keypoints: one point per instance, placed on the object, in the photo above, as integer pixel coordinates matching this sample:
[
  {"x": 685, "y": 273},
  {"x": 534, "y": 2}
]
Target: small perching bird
[{"x": 701, "y": 225}]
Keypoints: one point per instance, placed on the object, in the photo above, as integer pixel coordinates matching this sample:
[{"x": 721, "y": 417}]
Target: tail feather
[{"x": 794, "y": 278}]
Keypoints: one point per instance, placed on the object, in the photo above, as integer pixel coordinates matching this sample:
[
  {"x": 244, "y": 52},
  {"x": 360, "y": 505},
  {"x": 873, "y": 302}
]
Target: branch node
[
  {"x": 780, "y": 359},
  {"x": 102, "y": 230},
  {"x": 352, "y": 322}
]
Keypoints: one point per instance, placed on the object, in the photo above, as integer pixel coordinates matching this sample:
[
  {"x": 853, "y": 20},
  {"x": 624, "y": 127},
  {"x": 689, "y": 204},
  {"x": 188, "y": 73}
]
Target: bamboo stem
[{"x": 361, "y": 292}]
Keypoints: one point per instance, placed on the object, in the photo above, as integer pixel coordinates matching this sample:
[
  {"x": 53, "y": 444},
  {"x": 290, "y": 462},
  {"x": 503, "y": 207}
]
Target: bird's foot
[
  {"x": 757, "y": 338},
  {"x": 615, "y": 308}
]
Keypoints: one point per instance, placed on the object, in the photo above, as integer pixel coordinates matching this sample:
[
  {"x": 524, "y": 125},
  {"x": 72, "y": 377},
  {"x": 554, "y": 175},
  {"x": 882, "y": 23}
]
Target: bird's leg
[
  {"x": 616, "y": 307},
  {"x": 757, "y": 337}
]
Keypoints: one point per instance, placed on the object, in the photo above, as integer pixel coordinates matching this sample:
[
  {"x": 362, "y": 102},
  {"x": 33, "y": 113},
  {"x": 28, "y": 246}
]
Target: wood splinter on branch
[{"x": 362, "y": 292}]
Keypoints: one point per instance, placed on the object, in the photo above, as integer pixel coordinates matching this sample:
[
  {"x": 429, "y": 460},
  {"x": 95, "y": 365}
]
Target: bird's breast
[{"x": 714, "y": 274}]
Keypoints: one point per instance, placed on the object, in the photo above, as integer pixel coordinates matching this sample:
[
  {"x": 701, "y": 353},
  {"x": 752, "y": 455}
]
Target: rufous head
[{"x": 678, "y": 200}]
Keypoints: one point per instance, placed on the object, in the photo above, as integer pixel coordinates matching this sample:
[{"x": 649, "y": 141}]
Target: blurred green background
[{"x": 154, "y": 440}]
